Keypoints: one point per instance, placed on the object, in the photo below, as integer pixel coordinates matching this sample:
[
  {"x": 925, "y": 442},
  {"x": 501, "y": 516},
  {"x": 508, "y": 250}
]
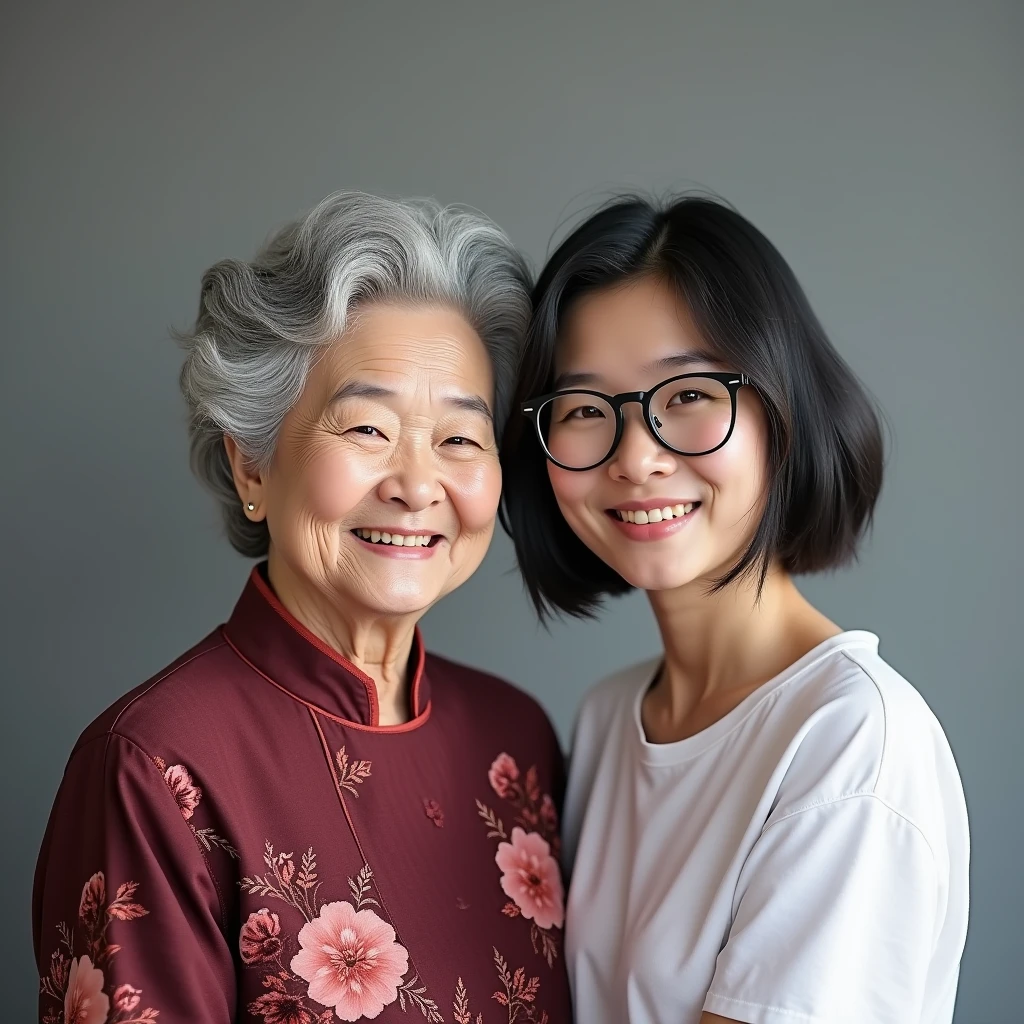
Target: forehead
[
  {"x": 628, "y": 325},
  {"x": 408, "y": 348}
]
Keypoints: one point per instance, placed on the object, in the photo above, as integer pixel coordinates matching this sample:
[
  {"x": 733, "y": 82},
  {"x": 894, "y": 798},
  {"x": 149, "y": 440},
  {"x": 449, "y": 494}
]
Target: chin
[
  {"x": 657, "y": 580},
  {"x": 655, "y": 575},
  {"x": 399, "y": 602}
]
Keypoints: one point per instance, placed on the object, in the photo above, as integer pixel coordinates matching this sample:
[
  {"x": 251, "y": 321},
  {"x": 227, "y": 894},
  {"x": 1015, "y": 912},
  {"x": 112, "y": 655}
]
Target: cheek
[
  {"x": 475, "y": 492},
  {"x": 737, "y": 472},
  {"x": 571, "y": 490},
  {"x": 333, "y": 483}
]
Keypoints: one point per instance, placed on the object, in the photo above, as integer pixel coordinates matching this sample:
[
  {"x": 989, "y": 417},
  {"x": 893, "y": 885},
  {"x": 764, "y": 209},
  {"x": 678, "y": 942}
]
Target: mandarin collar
[{"x": 275, "y": 644}]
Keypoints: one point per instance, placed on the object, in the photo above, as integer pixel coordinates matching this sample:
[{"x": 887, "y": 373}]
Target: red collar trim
[
  {"x": 413, "y": 723},
  {"x": 420, "y": 714}
]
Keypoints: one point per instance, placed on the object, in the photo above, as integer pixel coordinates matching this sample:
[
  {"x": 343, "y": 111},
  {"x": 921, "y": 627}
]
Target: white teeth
[
  {"x": 398, "y": 540},
  {"x": 654, "y": 515}
]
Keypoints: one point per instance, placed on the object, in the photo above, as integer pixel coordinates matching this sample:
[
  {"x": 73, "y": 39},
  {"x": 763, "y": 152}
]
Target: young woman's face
[{"x": 630, "y": 338}]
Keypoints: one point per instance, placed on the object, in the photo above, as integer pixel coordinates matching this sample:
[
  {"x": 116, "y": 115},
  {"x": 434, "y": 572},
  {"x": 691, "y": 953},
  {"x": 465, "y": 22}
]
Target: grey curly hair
[{"x": 261, "y": 323}]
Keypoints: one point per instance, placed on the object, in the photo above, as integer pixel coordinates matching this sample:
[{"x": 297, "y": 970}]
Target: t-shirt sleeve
[
  {"x": 834, "y": 920},
  {"x": 127, "y": 919}
]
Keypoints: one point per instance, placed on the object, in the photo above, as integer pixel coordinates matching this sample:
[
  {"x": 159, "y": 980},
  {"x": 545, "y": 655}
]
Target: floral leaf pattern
[
  {"x": 351, "y": 775},
  {"x": 281, "y": 883},
  {"x": 530, "y": 876},
  {"x": 544, "y": 943},
  {"x": 360, "y": 885},
  {"x": 77, "y": 983},
  {"x": 518, "y": 993},
  {"x": 495, "y": 829},
  {"x": 187, "y": 795},
  {"x": 209, "y": 840},
  {"x": 461, "y": 1012},
  {"x": 348, "y": 958},
  {"x": 318, "y": 961},
  {"x": 416, "y": 995}
]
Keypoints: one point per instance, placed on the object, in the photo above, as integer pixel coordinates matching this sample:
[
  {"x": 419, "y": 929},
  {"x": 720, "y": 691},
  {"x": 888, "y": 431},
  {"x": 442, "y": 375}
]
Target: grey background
[{"x": 878, "y": 144}]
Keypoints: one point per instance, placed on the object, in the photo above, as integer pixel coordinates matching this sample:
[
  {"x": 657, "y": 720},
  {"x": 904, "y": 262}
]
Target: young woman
[{"x": 764, "y": 823}]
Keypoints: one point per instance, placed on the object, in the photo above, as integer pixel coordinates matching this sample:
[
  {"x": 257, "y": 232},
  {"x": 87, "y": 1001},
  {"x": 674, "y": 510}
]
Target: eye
[
  {"x": 461, "y": 441},
  {"x": 687, "y": 397},
  {"x": 367, "y": 431},
  {"x": 584, "y": 412}
]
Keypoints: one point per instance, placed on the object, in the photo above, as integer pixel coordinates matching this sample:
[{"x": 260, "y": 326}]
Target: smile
[
  {"x": 643, "y": 516},
  {"x": 397, "y": 540},
  {"x": 654, "y": 522}
]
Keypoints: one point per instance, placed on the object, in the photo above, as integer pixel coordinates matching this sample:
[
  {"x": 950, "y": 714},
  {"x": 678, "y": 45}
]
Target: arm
[
  {"x": 836, "y": 916},
  {"x": 127, "y": 921}
]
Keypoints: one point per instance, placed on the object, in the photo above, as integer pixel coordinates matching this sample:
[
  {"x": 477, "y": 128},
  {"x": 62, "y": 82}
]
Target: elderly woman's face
[{"x": 385, "y": 482}]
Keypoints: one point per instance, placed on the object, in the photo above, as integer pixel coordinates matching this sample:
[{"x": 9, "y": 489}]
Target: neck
[
  {"x": 378, "y": 645},
  {"x": 721, "y": 647}
]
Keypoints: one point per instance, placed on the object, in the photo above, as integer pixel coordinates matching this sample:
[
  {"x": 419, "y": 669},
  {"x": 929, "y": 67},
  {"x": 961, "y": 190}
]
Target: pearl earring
[{"x": 251, "y": 507}]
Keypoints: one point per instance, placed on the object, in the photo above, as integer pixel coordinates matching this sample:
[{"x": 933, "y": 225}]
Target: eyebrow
[
  {"x": 364, "y": 389},
  {"x": 677, "y": 361}
]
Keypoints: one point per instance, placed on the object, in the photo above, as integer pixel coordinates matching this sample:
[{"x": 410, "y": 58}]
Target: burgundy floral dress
[{"x": 240, "y": 840}]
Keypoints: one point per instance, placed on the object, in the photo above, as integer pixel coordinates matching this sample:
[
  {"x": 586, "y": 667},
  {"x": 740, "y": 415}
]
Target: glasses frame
[{"x": 732, "y": 381}]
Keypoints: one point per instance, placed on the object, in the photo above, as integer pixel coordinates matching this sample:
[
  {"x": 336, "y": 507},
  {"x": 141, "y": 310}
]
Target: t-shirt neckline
[{"x": 662, "y": 754}]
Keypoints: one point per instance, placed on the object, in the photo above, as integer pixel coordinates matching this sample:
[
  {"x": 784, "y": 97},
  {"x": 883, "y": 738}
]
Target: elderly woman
[{"x": 306, "y": 817}]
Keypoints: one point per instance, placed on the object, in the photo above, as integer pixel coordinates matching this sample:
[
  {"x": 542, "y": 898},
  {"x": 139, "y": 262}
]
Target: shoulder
[
  {"x": 859, "y": 728},
  {"x": 178, "y": 704},
  {"x": 612, "y": 698},
  {"x": 487, "y": 697}
]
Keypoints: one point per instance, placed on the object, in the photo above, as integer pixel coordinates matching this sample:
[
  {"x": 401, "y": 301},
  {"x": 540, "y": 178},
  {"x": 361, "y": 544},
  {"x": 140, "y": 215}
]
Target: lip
[
  {"x": 653, "y": 531},
  {"x": 390, "y": 551}
]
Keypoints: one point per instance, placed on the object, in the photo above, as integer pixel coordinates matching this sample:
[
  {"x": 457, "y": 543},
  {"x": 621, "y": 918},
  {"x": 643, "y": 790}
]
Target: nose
[
  {"x": 638, "y": 456},
  {"x": 413, "y": 481}
]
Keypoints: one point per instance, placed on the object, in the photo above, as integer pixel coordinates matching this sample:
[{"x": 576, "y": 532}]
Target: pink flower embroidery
[
  {"x": 351, "y": 960},
  {"x": 260, "y": 939},
  {"x": 503, "y": 774},
  {"x": 433, "y": 811},
  {"x": 184, "y": 789},
  {"x": 530, "y": 877},
  {"x": 85, "y": 1001},
  {"x": 90, "y": 906},
  {"x": 127, "y": 998},
  {"x": 281, "y": 1008}
]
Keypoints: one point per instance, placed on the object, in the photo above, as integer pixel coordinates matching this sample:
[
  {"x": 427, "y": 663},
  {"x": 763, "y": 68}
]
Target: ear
[{"x": 248, "y": 481}]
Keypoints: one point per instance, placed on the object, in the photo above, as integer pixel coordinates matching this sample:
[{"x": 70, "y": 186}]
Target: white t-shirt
[{"x": 801, "y": 861}]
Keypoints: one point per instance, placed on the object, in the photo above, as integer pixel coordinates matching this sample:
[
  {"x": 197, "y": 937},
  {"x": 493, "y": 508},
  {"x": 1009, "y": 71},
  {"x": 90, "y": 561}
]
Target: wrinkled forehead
[{"x": 425, "y": 351}]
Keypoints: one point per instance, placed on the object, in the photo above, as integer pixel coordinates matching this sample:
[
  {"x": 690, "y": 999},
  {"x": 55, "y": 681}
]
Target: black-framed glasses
[{"x": 692, "y": 414}]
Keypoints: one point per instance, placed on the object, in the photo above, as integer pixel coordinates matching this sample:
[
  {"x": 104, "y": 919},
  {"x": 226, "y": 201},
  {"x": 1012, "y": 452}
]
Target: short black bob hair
[{"x": 826, "y": 449}]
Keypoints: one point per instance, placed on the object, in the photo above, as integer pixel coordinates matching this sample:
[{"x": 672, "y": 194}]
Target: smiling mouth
[
  {"x": 653, "y": 515},
  {"x": 398, "y": 540}
]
